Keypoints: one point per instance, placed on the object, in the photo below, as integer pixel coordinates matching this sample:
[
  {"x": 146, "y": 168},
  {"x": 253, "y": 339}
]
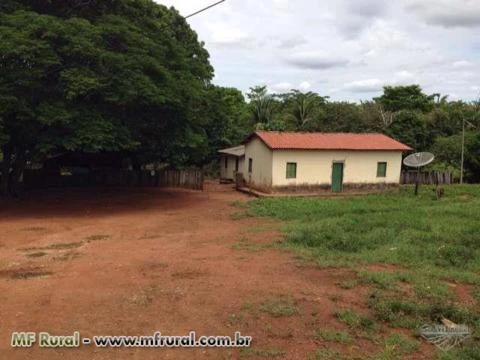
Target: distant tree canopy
[{"x": 95, "y": 75}]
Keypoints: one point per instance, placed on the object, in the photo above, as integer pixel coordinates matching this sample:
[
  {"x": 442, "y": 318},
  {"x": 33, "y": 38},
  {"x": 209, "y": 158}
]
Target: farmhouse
[
  {"x": 276, "y": 161},
  {"x": 232, "y": 161}
]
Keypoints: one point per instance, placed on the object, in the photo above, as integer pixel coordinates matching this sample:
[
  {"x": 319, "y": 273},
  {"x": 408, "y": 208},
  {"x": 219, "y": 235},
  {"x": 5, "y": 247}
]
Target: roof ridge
[
  {"x": 319, "y": 132},
  {"x": 327, "y": 141}
]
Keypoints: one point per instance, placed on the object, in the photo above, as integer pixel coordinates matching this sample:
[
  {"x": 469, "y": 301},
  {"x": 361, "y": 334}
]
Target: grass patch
[
  {"x": 276, "y": 306},
  {"x": 465, "y": 352},
  {"x": 326, "y": 354},
  {"x": 412, "y": 313},
  {"x": 427, "y": 243},
  {"x": 395, "y": 228},
  {"x": 333, "y": 336},
  {"x": 355, "y": 320},
  {"x": 97, "y": 238},
  {"x": 279, "y": 306},
  {"x": 349, "y": 284},
  {"x": 24, "y": 273},
  {"x": 262, "y": 228},
  {"x": 36, "y": 254},
  {"x": 397, "y": 346},
  {"x": 269, "y": 353},
  {"x": 57, "y": 246}
]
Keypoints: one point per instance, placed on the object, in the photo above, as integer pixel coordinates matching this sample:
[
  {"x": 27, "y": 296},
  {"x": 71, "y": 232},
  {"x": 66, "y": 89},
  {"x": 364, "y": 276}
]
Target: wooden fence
[
  {"x": 41, "y": 179},
  {"x": 427, "y": 177}
]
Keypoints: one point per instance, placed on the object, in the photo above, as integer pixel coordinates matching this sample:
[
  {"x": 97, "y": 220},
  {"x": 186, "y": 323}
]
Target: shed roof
[
  {"x": 237, "y": 151},
  {"x": 277, "y": 140}
]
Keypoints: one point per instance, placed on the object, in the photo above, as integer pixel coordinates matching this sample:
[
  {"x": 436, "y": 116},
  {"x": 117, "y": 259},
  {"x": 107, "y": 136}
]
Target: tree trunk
[
  {"x": 18, "y": 168},
  {"x": 7, "y": 161}
]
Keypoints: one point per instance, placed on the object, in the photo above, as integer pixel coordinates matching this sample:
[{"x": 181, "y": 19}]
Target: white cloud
[
  {"x": 280, "y": 87},
  {"x": 315, "y": 60},
  {"x": 305, "y": 85},
  {"x": 365, "y": 86},
  {"x": 462, "y": 64},
  {"x": 292, "y": 42},
  {"x": 404, "y": 74}
]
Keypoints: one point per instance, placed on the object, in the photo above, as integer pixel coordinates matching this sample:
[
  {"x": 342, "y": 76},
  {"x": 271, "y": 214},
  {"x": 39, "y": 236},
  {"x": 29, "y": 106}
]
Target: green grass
[
  {"x": 276, "y": 306},
  {"x": 429, "y": 244},
  {"x": 333, "y": 336},
  {"x": 279, "y": 306},
  {"x": 396, "y": 346},
  {"x": 395, "y": 228},
  {"x": 356, "y": 321}
]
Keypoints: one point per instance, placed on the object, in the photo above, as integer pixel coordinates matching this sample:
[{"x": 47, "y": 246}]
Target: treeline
[{"x": 406, "y": 113}]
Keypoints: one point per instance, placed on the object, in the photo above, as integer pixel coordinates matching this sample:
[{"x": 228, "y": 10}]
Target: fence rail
[
  {"x": 188, "y": 179},
  {"x": 427, "y": 177}
]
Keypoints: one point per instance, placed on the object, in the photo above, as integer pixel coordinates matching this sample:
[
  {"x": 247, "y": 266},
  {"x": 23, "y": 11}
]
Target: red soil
[{"x": 132, "y": 262}]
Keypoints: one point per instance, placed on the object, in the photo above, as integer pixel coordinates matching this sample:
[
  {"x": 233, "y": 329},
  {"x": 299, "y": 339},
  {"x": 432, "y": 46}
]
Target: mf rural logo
[{"x": 445, "y": 336}]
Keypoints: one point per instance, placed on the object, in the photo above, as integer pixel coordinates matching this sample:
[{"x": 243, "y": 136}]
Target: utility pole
[
  {"x": 463, "y": 138},
  {"x": 204, "y": 9},
  {"x": 463, "y": 149}
]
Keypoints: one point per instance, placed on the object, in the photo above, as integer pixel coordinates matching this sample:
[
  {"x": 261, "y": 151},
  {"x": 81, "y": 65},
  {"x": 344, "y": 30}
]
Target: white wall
[
  {"x": 262, "y": 156},
  {"x": 314, "y": 167},
  {"x": 229, "y": 171}
]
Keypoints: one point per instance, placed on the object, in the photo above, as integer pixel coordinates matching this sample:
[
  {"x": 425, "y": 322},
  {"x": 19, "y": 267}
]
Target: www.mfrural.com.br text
[{"x": 157, "y": 340}]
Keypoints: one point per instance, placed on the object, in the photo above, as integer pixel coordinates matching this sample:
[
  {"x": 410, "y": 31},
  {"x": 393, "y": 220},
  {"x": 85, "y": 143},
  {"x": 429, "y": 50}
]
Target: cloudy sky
[{"x": 347, "y": 49}]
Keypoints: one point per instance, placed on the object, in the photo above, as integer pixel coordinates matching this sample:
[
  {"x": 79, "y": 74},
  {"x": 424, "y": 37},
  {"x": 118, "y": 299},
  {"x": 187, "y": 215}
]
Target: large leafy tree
[
  {"x": 397, "y": 98},
  {"x": 91, "y": 75},
  {"x": 448, "y": 154}
]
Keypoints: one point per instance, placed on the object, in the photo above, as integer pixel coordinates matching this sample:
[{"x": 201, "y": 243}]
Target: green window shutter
[
  {"x": 291, "y": 170},
  {"x": 381, "y": 169}
]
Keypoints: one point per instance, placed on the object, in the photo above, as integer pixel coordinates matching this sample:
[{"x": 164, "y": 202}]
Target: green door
[{"x": 337, "y": 177}]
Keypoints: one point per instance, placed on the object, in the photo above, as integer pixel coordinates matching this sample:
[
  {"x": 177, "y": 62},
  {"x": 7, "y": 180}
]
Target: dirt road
[{"x": 132, "y": 262}]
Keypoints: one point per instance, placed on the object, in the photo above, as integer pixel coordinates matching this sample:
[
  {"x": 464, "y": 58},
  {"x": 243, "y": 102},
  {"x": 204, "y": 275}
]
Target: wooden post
[{"x": 417, "y": 182}]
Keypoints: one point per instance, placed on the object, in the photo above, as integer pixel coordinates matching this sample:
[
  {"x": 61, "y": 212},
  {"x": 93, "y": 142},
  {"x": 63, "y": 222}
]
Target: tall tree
[
  {"x": 261, "y": 105},
  {"x": 91, "y": 75},
  {"x": 397, "y": 98},
  {"x": 303, "y": 108}
]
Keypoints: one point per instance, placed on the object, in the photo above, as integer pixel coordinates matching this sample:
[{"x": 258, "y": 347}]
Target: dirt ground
[{"x": 133, "y": 261}]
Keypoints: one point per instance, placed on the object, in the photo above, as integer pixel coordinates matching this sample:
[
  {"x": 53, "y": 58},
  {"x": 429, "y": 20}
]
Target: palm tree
[
  {"x": 261, "y": 105},
  {"x": 304, "y": 107}
]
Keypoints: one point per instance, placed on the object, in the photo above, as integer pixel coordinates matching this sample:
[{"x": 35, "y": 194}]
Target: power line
[{"x": 208, "y": 7}]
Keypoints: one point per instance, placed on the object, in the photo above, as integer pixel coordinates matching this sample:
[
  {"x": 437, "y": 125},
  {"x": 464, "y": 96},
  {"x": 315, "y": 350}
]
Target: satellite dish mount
[{"x": 418, "y": 160}]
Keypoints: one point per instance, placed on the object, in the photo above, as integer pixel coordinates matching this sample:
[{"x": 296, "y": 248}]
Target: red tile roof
[{"x": 327, "y": 141}]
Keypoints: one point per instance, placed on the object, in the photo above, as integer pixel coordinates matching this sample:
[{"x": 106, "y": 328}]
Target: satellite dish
[{"x": 418, "y": 160}]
